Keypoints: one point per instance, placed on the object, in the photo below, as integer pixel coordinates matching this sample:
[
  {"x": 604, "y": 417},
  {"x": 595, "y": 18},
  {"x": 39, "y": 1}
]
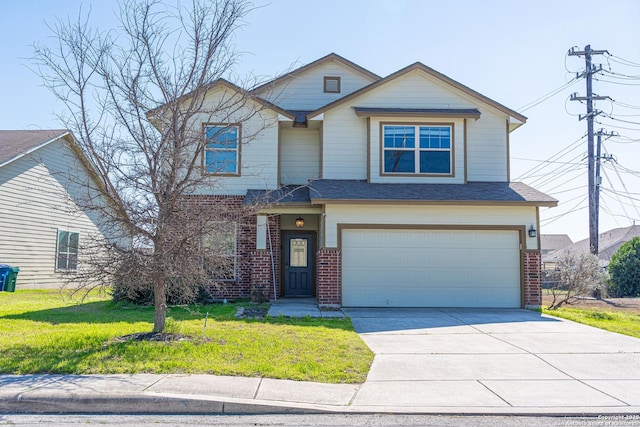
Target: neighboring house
[
  {"x": 553, "y": 242},
  {"x": 42, "y": 229},
  {"x": 550, "y": 243},
  {"x": 608, "y": 244},
  {"x": 395, "y": 192}
]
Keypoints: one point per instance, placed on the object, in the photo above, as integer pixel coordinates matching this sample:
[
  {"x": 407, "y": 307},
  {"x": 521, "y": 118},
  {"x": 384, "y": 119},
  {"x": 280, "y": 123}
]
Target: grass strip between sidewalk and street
[
  {"x": 44, "y": 332},
  {"x": 620, "y": 322}
]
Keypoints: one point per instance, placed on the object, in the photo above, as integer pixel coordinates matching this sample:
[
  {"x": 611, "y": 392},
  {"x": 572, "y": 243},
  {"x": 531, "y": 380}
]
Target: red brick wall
[
  {"x": 329, "y": 277},
  {"x": 262, "y": 267},
  {"x": 230, "y": 208},
  {"x": 532, "y": 279}
]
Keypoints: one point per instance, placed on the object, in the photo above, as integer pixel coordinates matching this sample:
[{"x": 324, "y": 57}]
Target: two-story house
[{"x": 385, "y": 192}]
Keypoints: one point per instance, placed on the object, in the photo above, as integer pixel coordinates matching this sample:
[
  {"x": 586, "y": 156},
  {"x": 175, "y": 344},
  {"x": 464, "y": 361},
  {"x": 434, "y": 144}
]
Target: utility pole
[
  {"x": 598, "y": 179},
  {"x": 588, "y": 73}
]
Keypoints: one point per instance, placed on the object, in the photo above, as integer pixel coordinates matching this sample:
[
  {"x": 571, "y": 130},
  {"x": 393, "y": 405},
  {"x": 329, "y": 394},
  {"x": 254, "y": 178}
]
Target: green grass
[
  {"x": 42, "y": 332},
  {"x": 623, "y": 323}
]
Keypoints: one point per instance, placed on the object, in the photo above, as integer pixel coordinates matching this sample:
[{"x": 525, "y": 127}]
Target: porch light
[
  {"x": 532, "y": 231},
  {"x": 299, "y": 222}
]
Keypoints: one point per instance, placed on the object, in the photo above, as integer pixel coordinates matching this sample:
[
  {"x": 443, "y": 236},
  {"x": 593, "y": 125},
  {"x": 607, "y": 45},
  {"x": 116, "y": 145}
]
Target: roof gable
[
  {"x": 227, "y": 84},
  {"x": 315, "y": 64},
  {"x": 431, "y": 73}
]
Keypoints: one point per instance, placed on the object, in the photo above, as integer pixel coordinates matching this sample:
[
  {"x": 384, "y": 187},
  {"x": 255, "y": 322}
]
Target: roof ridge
[
  {"x": 330, "y": 57},
  {"x": 432, "y": 72}
]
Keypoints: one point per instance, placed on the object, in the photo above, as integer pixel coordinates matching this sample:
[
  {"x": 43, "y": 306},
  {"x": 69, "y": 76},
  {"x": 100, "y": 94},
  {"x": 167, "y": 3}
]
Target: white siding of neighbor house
[
  {"x": 427, "y": 215},
  {"x": 305, "y": 91},
  {"x": 299, "y": 155},
  {"x": 344, "y": 138},
  {"x": 258, "y": 146},
  {"x": 37, "y": 200}
]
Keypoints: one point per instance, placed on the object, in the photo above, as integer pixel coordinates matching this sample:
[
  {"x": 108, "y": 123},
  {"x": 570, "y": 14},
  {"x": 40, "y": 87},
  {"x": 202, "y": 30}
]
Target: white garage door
[{"x": 430, "y": 268}]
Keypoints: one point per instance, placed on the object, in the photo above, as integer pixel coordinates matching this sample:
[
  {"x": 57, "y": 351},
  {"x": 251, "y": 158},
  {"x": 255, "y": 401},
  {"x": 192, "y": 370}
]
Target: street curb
[
  {"x": 106, "y": 403},
  {"x": 34, "y": 402}
]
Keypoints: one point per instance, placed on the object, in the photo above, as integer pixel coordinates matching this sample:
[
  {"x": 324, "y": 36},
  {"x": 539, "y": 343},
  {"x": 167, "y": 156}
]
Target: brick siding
[
  {"x": 532, "y": 279},
  {"x": 253, "y": 268},
  {"x": 329, "y": 277},
  {"x": 263, "y": 268}
]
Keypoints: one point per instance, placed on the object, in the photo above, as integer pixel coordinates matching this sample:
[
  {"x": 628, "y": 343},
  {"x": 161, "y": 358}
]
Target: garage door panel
[{"x": 434, "y": 268}]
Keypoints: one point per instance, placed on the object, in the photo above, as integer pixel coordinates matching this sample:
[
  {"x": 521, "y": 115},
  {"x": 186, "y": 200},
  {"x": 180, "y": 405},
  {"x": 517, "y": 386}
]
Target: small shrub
[
  {"x": 579, "y": 276},
  {"x": 624, "y": 270}
]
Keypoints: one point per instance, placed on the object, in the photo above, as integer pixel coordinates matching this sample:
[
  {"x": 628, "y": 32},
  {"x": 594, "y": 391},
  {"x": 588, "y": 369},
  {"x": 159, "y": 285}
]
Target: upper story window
[
  {"x": 67, "y": 251},
  {"x": 222, "y": 149},
  {"x": 331, "y": 84},
  {"x": 417, "y": 149}
]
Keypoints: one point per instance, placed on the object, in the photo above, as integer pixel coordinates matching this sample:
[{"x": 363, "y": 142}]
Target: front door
[{"x": 298, "y": 252}]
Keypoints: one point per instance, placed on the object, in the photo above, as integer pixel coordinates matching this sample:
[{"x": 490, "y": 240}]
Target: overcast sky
[{"x": 512, "y": 52}]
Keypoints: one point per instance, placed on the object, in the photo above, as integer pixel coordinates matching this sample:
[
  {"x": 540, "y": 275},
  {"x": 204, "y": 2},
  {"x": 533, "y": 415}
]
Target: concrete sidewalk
[{"x": 430, "y": 361}]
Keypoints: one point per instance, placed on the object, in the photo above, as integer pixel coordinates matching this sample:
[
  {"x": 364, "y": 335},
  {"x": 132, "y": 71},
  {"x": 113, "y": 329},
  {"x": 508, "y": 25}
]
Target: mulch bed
[
  {"x": 153, "y": 336},
  {"x": 253, "y": 312}
]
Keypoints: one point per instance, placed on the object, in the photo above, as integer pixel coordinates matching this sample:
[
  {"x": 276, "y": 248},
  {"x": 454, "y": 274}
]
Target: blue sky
[{"x": 512, "y": 52}]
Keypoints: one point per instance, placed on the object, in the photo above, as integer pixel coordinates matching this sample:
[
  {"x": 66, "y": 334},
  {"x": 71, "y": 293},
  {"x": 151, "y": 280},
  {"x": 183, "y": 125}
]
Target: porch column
[
  {"x": 532, "y": 279},
  {"x": 329, "y": 277}
]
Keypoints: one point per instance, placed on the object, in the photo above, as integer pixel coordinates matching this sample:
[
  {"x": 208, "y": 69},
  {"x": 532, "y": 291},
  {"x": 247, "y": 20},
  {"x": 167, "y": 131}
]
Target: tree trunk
[{"x": 160, "y": 304}]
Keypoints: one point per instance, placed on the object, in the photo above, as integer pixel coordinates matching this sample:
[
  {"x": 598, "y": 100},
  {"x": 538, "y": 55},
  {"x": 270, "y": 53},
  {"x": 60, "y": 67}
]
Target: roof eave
[
  {"x": 418, "y": 65},
  {"x": 35, "y": 148},
  {"x": 324, "y": 201}
]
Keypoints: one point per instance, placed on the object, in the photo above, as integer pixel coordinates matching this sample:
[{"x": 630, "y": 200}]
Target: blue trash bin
[{"x": 4, "y": 274}]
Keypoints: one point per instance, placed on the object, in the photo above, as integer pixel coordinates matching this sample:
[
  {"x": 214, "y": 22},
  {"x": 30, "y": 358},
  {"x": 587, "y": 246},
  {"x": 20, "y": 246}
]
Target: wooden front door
[{"x": 298, "y": 256}]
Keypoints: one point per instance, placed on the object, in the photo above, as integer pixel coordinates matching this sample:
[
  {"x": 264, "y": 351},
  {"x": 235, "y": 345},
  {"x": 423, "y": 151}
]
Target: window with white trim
[
  {"x": 219, "y": 251},
  {"x": 222, "y": 148},
  {"x": 67, "y": 248},
  {"x": 417, "y": 149}
]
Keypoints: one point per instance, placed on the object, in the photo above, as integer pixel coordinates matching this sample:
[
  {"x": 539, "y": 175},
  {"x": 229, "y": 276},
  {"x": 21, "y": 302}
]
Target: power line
[
  {"x": 572, "y": 146},
  {"x": 546, "y": 96},
  {"x": 589, "y": 71}
]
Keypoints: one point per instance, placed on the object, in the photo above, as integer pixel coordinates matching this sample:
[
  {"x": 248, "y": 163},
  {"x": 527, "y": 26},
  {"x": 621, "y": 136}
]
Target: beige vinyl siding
[
  {"x": 345, "y": 133},
  {"x": 523, "y": 216},
  {"x": 306, "y": 90},
  {"x": 299, "y": 156},
  {"x": 487, "y": 148},
  {"x": 36, "y": 200},
  {"x": 344, "y": 145},
  {"x": 258, "y": 146}
]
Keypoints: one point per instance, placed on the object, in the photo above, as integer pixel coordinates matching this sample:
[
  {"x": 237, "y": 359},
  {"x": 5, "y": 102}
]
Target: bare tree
[
  {"x": 136, "y": 97},
  {"x": 579, "y": 276}
]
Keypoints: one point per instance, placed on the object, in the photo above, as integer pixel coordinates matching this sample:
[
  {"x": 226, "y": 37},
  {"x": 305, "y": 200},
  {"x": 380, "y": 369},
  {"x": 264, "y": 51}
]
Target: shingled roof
[
  {"x": 472, "y": 192},
  {"x": 16, "y": 143},
  {"x": 354, "y": 191},
  {"x": 608, "y": 244}
]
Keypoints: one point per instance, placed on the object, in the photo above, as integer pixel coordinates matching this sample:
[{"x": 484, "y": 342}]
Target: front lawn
[
  {"x": 42, "y": 332},
  {"x": 621, "y": 322}
]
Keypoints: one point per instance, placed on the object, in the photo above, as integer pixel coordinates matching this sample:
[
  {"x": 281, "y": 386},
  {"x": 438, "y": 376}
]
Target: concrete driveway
[{"x": 494, "y": 359}]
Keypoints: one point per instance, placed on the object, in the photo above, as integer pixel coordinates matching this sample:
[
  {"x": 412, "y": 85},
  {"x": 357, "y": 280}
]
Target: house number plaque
[{"x": 298, "y": 253}]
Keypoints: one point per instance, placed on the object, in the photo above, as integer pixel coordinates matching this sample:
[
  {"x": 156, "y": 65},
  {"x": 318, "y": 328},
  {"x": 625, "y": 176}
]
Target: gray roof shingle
[
  {"x": 288, "y": 194},
  {"x": 438, "y": 112},
  {"x": 354, "y": 190},
  {"x": 324, "y": 190},
  {"x": 608, "y": 244},
  {"x": 13, "y": 143}
]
